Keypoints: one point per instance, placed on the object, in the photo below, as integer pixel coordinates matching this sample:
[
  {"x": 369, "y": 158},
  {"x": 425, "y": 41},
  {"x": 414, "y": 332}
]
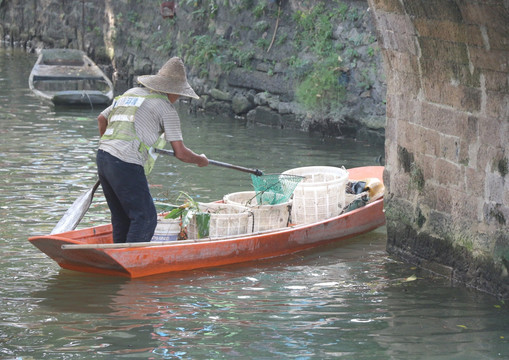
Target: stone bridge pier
[{"x": 447, "y": 136}]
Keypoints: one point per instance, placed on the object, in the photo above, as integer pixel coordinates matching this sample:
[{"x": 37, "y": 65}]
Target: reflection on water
[{"x": 347, "y": 300}]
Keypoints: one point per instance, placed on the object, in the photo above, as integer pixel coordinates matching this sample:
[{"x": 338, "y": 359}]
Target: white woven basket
[
  {"x": 265, "y": 217},
  {"x": 320, "y": 196},
  {"x": 225, "y": 220}
]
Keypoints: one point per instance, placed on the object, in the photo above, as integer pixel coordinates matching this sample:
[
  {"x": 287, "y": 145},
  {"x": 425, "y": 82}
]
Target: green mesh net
[{"x": 272, "y": 189}]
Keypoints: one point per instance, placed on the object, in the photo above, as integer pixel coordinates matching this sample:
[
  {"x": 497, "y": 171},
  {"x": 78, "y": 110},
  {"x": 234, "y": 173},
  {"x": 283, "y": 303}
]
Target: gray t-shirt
[{"x": 154, "y": 117}]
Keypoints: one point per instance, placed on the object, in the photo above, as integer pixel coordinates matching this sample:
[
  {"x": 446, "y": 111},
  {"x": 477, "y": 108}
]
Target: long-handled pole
[{"x": 217, "y": 163}]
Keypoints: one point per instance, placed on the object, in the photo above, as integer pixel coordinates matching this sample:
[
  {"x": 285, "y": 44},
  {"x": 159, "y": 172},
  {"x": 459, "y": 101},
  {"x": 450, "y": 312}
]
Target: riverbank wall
[{"x": 308, "y": 65}]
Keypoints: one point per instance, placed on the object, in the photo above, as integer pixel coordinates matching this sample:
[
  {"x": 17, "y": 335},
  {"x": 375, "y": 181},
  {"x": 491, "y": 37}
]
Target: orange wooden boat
[{"x": 91, "y": 249}]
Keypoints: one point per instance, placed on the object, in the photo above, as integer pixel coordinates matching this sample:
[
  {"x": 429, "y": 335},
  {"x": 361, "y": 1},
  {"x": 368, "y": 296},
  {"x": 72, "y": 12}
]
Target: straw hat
[{"x": 170, "y": 79}]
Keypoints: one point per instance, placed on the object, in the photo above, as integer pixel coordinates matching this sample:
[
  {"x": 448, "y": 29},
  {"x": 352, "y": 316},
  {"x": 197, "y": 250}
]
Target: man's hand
[{"x": 203, "y": 161}]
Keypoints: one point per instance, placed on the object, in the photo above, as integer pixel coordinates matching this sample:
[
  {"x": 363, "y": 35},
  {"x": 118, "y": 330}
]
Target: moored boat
[
  {"x": 69, "y": 77},
  {"x": 91, "y": 249}
]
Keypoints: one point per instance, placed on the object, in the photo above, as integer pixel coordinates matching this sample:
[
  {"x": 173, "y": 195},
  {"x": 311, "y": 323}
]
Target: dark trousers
[{"x": 125, "y": 186}]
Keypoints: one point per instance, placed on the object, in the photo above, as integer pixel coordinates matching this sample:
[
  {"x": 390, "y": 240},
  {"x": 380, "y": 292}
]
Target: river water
[{"x": 349, "y": 300}]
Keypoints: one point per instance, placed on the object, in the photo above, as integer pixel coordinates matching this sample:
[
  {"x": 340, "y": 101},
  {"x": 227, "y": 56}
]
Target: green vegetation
[
  {"x": 134, "y": 42},
  {"x": 261, "y": 26},
  {"x": 240, "y": 58},
  {"x": 187, "y": 211},
  {"x": 133, "y": 17},
  {"x": 260, "y": 8},
  {"x": 98, "y": 32},
  {"x": 316, "y": 28},
  {"x": 320, "y": 89},
  {"x": 366, "y": 77},
  {"x": 203, "y": 50},
  {"x": 263, "y": 43}
]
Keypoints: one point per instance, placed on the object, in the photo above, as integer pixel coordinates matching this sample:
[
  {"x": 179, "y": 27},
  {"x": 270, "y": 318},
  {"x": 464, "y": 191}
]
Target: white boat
[{"x": 69, "y": 77}]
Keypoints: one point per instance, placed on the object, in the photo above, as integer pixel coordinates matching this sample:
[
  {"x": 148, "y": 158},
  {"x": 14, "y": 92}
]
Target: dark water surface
[{"x": 348, "y": 301}]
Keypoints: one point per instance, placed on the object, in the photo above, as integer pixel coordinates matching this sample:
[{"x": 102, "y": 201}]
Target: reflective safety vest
[{"x": 121, "y": 126}]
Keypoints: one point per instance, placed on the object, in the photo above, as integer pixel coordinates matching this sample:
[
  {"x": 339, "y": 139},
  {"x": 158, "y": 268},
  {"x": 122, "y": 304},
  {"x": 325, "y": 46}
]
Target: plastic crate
[
  {"x": 265, "y": 217},
  {"x": 320, "y": 196}
]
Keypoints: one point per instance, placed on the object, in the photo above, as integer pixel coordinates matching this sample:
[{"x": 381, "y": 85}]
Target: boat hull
[
  {"x": 137, "y": 260},
  {"x": 80, "y": 98}
]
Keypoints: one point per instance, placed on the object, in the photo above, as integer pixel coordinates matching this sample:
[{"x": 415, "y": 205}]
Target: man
[{"x": 140, "y": 120}]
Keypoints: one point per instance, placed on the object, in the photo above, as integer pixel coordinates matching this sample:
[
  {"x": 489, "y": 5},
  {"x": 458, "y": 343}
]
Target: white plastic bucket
[{"x": 166, "y": 229}]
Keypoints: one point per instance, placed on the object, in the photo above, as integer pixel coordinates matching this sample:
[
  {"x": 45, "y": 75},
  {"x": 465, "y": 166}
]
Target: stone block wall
[{"x": 447, "y": 136}]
